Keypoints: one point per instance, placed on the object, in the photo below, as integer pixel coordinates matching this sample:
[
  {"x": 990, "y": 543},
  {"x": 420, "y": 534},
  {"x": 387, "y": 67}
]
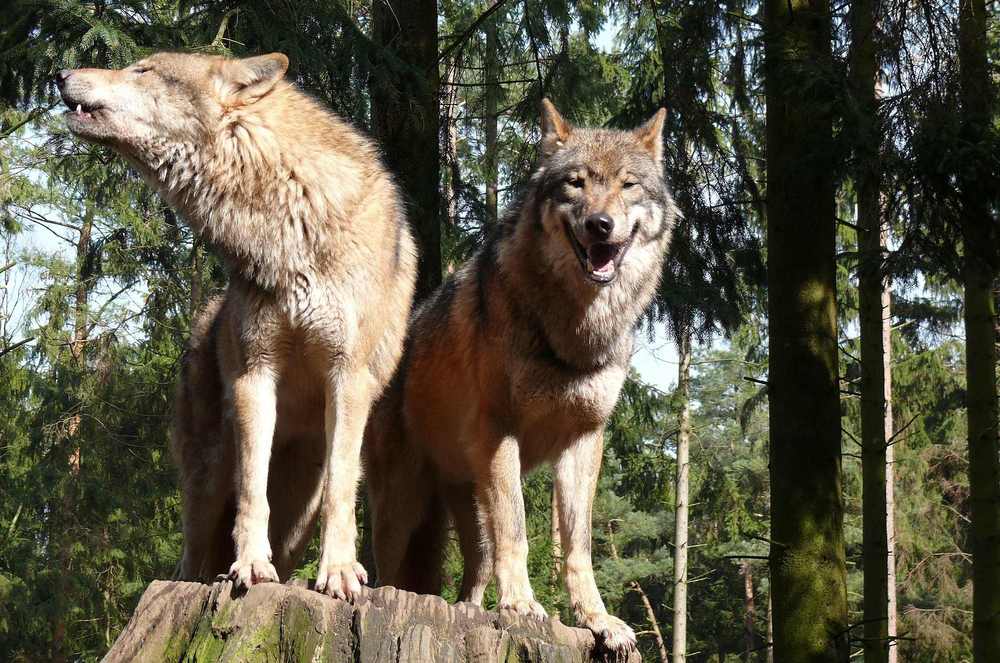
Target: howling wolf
[
  {"x": 282, "y": 369},
  {"x": 516, "y": 360}
]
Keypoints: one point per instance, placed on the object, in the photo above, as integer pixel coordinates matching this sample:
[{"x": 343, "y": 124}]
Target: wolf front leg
[
  {"x": 255, "y": 414},
  {"x": 576, "y": 474},
  {"x": 348, "y": 401},
  {"x": 498, "y": 485}
]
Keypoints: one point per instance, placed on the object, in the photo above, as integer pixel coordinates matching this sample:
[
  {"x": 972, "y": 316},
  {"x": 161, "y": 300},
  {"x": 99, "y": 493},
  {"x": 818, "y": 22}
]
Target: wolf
[
  {"x": 282, "y": 369},
  {"x": 518, "y": 359}
]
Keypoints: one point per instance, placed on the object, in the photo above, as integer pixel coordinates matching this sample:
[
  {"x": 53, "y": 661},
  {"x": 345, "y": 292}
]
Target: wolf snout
[{"x": 599, "y": 226}]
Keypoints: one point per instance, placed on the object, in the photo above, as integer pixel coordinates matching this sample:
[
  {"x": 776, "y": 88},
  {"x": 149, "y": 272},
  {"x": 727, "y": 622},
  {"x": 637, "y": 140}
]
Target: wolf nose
[
  {"x": 62, "y": 76},
  {"x": 600, "y": 226}
]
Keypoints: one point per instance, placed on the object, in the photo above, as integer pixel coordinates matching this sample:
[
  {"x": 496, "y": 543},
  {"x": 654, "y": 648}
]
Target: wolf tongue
[{"x": 601, "y": 255}]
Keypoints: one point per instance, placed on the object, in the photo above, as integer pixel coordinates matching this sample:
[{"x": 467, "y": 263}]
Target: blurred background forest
[{"x": 100, "y": 279}]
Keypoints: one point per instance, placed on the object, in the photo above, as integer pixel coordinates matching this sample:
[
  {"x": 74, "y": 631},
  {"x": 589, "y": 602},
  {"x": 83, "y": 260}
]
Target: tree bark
[
  {"x": 273, "y": 622},
  {"x": 491, "y": 100},
  {"x": 405, "y": 117},
  {"x": 770, "y": 631},
  {"x": 808, "y": 569},
  {"x": 979, "y": 275},
  {"x": 748, "y": 611},
  {"x": 681, "y": 501},
  {"x": 634, "y": 585},
  {"x": 890, "y": 476},
  {"x": 451, "y": 99},
  {"x": 67, "y": 505},
  {"x": 874, "y": 303},
  {"x": 197, "y": 264},
  {"x": 557, "y": 553}
]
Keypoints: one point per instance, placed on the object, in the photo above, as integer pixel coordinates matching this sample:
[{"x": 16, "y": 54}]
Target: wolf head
[
  {"x": 165, "y": 99},
  {"x": 603, "y": 203}
]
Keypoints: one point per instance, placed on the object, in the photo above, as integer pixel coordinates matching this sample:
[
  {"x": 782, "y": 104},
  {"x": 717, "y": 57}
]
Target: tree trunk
[
  {"x": 272, "y": 622},
  {"x": 808, "y": 569},
  {"x": 83, "y": 274},
  {"x": 890, "y": 474},
  {"x": 405, "y": 116},
  {"x": 197, "y": 265},
  {"x": 748, "y": 610},
  {"x": 979, "y": 274},
  {"x": 770, "y": 631},
  {"x": 874, "y": 296},
  {"x": 654, "y": 625},
  {"x": 451, "y": 101},
  {"x": 67, "y": 506},
  {"x": 557, "y": 553},
  {"x": 491, "y": 100},
  {"x": 681, "y": 501}
]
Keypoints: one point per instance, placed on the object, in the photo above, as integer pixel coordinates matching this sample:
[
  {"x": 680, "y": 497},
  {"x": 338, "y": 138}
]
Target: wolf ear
[
  {"x": 555, "y": 128},
  {"x": 650, "y": 135},
  {"x": 249, "y": 79}
]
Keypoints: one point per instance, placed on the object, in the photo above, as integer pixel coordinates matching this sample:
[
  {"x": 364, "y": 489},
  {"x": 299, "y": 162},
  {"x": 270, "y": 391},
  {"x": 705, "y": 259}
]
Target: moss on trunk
[{"x": 808, "y": 568}]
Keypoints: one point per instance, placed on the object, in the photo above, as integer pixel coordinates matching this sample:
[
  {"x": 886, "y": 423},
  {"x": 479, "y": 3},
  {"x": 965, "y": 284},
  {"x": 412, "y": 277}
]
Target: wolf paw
[
  {"x": 613, "y": 633},
  {"x": 524, "y": 607},
  {"x": 342, "y": 581},
  {"x": 246, "y": 573}
]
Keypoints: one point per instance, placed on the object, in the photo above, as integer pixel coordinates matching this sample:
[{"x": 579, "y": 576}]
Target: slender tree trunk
[
  {"x": 661, "y": 645},
  {"x": 78, "y": 347},
  {"x": 890, "y": 470},
  {"x": 748, "y": 610},
  {"x": 808, "y": 569},
  {"x": 197, "y": 274},
  {"x": 681, "y": 502},
  {"x": 557, "y": 553},
  {"x": 770, "y": 630},
  {"x": 405, "y": 118},
  {"x": 451, "y": 98},
  {"x": 83, "y": 270},
  {"x": 491, "y": 100},
  {"x": 979, "y": 274},
  {"x": 873, "y": 294}
]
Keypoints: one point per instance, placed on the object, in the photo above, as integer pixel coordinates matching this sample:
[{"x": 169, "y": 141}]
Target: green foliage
[{"x": 89, "y": 507}]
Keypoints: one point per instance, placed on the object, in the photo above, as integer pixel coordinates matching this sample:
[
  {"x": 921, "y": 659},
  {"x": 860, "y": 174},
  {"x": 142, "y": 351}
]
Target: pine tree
[
  {"x": 808, "y": 574},
  {"x": 979, "y": 275},
  {"x": 874, "y": 302},
  {"x": 405, "y": 113}
]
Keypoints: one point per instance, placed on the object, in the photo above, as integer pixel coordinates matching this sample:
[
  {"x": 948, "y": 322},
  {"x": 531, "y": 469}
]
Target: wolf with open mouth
[
  {"x": 517, "y": 360},
  {"x": 281, "y": 370}
]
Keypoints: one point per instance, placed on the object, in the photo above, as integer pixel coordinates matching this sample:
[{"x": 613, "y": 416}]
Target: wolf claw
[
  {"x": 525, "y": 607},
  {"x": 247, "y": 573},
  {"x": 613, "y": 633},
  {"x": 342, "y": 581}
]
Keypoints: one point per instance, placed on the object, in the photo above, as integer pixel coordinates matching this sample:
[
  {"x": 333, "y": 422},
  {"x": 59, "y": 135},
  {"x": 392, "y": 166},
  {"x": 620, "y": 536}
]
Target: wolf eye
[
  {"x": 140, "y": 70},
  {"x": 575, "y": 182},
  {"x": 629, "y": 184}
]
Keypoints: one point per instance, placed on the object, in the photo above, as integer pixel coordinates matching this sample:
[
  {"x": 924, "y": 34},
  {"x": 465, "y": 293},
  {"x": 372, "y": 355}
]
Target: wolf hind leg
[
  {"x": 409, "y": 523},
  {"x": 294, "y": 495},
  {"x": 477, "y": 559},
  {"x": 205, "y": 454},
  {"x": 208, "y": 520}
]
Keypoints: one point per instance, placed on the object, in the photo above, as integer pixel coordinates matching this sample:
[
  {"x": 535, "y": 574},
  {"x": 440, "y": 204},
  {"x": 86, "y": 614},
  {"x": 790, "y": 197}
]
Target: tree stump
[{"x": 196, "y": 623}]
